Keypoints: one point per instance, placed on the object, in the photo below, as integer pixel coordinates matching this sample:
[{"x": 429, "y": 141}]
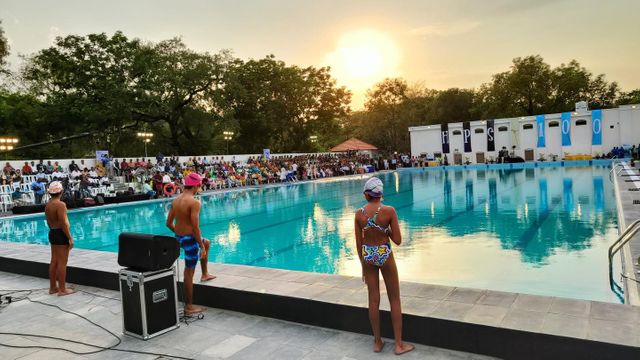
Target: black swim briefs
[{"x": 57, "y": 237}]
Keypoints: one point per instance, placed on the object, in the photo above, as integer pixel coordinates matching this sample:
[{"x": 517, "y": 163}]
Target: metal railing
[
  {"x": 614, "y": 167},
  {"x": 624, "y": 238}
]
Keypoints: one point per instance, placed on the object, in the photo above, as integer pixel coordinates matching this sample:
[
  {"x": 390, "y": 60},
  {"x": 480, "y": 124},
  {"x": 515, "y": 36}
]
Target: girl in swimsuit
[{"x": 375, "y": 224}]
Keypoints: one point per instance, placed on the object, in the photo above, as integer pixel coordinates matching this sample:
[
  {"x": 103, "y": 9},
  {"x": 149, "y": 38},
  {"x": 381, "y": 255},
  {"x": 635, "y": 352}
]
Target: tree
[
  {"x": 4, "y": 49},
  {"x": 183, "y": 90},
  {"x": 452, "y": 105},
  {"x": 523, "y": 90},
  {"x": 387, "y": 123},
  {"x": 106, "y": 82},
  {"x": 631, "y": 97},
  {"x": 279, "y": 107}
]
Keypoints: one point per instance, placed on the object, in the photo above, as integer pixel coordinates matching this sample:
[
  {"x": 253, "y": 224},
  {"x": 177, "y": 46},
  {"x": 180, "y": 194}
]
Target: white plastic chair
[
  {"x": 5, "y": 189},
  {"x": 5, "y": 202}
]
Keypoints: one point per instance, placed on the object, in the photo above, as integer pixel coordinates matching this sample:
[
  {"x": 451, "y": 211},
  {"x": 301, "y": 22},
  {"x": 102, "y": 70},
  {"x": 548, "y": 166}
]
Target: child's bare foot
[
  {"x": 65, "y": 292},
  {"x": 378, "y": 345},
  {"x": 53, "y": 291},
  {"x": 190, "y": 310},
  {"x": 404, "y": 348},
  {"x": 207, "y": 277}
]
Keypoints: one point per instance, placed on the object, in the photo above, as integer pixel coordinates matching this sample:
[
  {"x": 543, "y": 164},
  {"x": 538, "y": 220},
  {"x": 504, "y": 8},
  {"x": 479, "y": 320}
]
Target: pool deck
[
  {"x": 221, "y": 334},
  {"x": 499, "y": 324},
  {"x": 627, "y": 183}
]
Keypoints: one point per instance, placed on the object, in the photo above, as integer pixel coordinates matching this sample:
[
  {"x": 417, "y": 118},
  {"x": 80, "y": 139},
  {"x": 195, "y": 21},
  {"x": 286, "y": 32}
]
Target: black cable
[
  {"x": 98, "y": 295},
  {"x": 629, "y": 278},
  {"x": 100, "y": 348}
]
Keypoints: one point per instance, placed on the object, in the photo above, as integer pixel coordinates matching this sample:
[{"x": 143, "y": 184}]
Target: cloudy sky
[{"x": 441, "y": 44}]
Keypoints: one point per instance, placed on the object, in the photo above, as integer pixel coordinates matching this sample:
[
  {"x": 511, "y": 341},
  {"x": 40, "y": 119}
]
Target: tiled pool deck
[
  {"x": 505, "y": 325},
  {"x": 221, "y": 334}
]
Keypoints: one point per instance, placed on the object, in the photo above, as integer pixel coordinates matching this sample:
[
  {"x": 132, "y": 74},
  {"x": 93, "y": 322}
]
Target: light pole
[
  {"x": 7, "y": 144},
  {"x": 146, "y": 138},
  {"x": 228, "y": 135}
]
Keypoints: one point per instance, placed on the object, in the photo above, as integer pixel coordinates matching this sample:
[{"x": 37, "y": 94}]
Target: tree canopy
[{"x": 110, "y": 87}]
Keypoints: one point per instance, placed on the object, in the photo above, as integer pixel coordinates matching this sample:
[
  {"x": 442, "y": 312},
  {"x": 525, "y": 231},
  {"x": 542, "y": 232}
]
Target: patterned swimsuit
[{"x": 375, "y": 255}]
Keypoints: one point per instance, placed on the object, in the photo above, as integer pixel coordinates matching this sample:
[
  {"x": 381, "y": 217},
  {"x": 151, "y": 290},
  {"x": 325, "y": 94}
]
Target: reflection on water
[{"x": 542, "y": 231}]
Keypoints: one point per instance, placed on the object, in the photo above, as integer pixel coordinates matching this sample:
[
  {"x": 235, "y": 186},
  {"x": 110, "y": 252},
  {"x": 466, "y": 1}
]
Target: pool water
[{"x": 537, "y": 230}]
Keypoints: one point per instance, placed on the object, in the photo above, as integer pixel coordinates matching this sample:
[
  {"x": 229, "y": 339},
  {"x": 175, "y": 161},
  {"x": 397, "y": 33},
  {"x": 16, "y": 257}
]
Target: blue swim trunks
[{"x": 191, "y": 250}]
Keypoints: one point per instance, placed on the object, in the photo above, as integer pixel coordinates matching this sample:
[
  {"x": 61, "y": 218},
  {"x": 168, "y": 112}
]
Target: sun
[{"x": 363, "y": 57}]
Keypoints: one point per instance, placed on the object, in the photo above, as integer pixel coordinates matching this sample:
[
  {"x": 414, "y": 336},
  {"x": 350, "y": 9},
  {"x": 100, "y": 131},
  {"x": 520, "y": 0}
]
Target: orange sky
[{"x": 440, "y": 44}]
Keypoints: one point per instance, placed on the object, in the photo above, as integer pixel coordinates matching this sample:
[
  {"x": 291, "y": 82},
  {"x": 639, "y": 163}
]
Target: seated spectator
[
  {"x": 147, "y": 189},
  {"x": 57, "y": 175},
  {"x": 41, "y": 168},
  {"x": 38, "y": 188},
  {"x": 26, "y": 169},
  {"x": 48, "y": 169},
  {"x": 75, "y": 174},
  {"x": 16, "y": 176},
  {"x": 17, "y": 197},
  {"x": 93, "y": 173},
  {"x": 8, "y": 169},
  {"x": 73, "y": 166}
]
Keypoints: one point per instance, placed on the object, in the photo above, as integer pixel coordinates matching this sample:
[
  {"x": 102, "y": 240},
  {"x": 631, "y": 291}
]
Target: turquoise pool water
[{"x": 536, "y": 230}]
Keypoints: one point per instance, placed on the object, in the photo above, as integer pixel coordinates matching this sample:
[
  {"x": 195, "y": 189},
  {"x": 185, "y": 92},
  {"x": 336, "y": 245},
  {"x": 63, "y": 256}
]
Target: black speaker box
[
  {"x": 149, "y": 302},
  {"x": 144, "y": 252}
]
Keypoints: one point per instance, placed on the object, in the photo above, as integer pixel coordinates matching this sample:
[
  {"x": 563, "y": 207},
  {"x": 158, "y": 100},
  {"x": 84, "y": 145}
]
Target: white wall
[{"x": 625, "y": 121}]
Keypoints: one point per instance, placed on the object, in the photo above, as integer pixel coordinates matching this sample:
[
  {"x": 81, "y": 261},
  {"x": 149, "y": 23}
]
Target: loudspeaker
[{"x": 144, "y": 252}]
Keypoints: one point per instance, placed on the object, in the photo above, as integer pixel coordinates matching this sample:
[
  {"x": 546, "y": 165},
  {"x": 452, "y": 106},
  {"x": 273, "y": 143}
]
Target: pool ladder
[
  {"x": 624, "y": 238},
  {"x": 614, "y": 168}
]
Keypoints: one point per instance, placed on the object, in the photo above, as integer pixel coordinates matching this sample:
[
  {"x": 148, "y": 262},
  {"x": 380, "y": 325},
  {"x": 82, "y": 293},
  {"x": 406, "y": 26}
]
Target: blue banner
[
  {"x": 540, "y": 123},
  {"x": 596, "y": 124},
  {"x": 566, "y": 128}
]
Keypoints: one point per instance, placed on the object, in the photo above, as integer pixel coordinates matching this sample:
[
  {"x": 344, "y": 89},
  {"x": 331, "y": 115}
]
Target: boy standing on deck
[
  {"x": 60, "y": 240},
  {"x": 185, "y": 210}
]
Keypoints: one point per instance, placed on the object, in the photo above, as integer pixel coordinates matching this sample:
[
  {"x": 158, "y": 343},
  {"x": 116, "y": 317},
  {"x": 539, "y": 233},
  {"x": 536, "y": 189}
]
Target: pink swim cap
[{"x": 193, "y": 179}]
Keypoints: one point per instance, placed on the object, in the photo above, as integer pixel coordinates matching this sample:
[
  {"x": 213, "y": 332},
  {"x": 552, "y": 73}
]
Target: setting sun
[{"x": 362, "y": 58}]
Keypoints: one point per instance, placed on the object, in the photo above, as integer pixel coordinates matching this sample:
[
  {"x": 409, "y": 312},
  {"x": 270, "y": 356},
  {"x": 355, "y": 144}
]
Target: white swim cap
[
  {"x": 373, "y": 187},
  {"x": 55, "y": 188}
]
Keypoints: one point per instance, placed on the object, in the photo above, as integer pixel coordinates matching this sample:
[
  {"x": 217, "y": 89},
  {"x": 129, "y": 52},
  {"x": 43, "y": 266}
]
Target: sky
[{"x": 438, "y": 44}]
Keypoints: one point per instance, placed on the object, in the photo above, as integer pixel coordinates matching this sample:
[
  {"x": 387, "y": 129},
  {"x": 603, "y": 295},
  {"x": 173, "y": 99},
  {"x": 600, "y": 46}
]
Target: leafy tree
[
  {"x": 106, "y": 82},
  {"x": 279, "y": 107},
  {"x": 631, "y": 97},
  {"x": 4, "y": 49},
  {"x": 182, "y": 89},
  {"x": 452, "y": 105},
  {"x": 388, "y": 120},
  {"x": 523, "y": 90}
]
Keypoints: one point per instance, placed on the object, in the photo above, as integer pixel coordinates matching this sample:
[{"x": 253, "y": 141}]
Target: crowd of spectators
[
  {"x": 27, "y": 185},
  {"x": 218, "y": 172}
]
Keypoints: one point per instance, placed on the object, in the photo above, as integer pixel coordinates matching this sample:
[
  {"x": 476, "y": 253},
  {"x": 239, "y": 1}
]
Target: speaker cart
[{"x": 149, "y": 302}]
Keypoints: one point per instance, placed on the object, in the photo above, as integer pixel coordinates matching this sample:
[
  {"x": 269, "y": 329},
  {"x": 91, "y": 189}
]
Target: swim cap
[
  {"x": 55, "y": 188},
  {"x": 193, "y": 179},
  {"x": 373, "y": 187}
]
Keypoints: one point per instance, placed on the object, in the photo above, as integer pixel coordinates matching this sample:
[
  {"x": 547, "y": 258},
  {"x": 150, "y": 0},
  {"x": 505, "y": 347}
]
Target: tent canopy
[{"x": 353, "y": 144}]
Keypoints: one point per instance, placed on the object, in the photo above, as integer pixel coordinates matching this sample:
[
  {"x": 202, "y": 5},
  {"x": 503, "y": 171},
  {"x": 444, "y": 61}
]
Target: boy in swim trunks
[
  {"x": 185, "y": 211},
  {"x": 60, "y": 240}
]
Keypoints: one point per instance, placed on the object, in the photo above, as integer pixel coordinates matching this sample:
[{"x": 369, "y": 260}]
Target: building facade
[{"x": 583, "y": 132}]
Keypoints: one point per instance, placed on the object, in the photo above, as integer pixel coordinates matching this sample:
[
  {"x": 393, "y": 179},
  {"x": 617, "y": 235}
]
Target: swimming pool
[{"x": 535, "y": 230}]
